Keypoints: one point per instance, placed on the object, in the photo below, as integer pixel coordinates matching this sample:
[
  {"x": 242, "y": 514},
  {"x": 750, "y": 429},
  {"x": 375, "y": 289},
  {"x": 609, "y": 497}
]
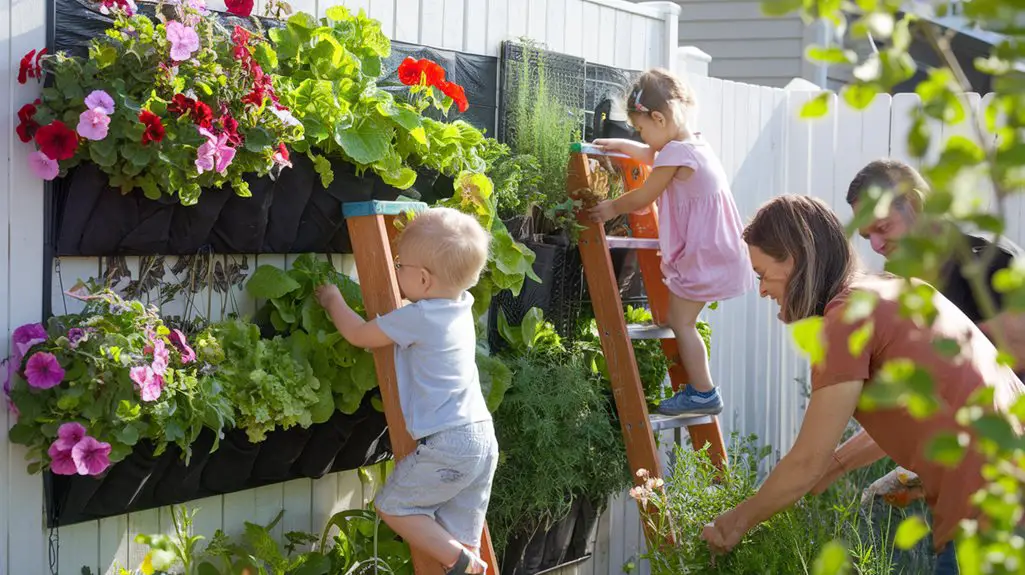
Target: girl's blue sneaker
[{"x": 690, "y": 400}]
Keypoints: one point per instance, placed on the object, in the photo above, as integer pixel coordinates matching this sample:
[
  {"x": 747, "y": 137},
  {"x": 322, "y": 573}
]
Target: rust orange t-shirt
[{"x": 903, "y": 437}]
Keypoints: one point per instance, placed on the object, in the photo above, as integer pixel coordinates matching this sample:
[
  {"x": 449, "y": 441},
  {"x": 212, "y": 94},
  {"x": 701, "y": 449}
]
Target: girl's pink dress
[{"x": 704, "y": 257}]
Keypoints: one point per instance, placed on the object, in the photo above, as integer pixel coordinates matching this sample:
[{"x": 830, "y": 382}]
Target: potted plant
[{"x": 94, "y": 388}]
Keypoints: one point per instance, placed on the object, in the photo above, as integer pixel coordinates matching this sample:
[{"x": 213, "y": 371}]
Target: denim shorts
[{"x": 447, "y": 478}]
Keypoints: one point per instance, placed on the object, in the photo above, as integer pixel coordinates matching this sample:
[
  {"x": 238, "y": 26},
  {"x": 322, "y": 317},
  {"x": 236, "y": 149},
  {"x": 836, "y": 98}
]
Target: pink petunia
[
  {"x": 184, "y": 40},
  {"x": 26, "y": 336},
  {"x": 215, "y": 154},
  {"x": 61, "y": 462},
  {"x": 69, "y": 434},
  {"x": 91, "y": 457},
  {"x": 98, "y": 99},
  {"x": 160, "y": 357},
  {"x": 151, "y": 391},
  {"x": 43, "y": 371},
  {"x": 42, "y": 166},
  {"x": 178, "y": 340},
  {"x": 93, "y": 124}
]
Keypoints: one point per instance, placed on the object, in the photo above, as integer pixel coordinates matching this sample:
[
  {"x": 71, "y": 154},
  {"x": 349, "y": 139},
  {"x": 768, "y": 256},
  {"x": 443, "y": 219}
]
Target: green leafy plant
[
  {"x": 986, "y": 156},
  {"x": 292, "y": 309},
  {"x": 168, "y": 106},
  {"x": 108, "y": 377}
]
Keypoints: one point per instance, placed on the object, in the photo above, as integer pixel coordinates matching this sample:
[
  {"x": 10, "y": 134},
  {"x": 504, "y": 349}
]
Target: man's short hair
[{"x": 893, "y": 176}]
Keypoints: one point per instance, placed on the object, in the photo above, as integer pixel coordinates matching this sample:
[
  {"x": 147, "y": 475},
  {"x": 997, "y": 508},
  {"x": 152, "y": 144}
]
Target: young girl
[{"x": 704, "y": 258}]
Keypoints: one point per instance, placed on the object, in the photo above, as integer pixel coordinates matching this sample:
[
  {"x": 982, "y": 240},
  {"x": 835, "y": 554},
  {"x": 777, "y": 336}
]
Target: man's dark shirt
[{"x": 953, "y": 285}]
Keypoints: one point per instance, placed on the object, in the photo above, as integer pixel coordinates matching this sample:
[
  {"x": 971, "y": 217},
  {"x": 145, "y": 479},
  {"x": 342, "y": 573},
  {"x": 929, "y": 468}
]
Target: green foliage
[
  {"x": 987, "y": 156},
  {"x": 328, "y": 74},
  {"x": 130, "y": 63},
  {"x": 292, "y": 310},
  {"x": 542, "y": 128},
  {"x": 113, "y": 336},
  {"x": 556, "y": 434},
  {"x": 820, "y": 534}
]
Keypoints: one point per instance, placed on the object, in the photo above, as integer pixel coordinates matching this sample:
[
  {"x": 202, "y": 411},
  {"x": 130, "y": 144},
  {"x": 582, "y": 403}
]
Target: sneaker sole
[{"x": 696, "y": 411}]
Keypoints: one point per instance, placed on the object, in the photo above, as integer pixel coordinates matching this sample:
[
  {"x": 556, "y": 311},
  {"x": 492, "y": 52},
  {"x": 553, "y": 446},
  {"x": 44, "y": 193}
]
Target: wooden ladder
[
  {"x": 638, "y": 425},
  {"x": 372, "y": 229}
]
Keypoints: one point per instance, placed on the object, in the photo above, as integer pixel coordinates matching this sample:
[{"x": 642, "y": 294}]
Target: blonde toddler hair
[{"x": 452, "y": 245}]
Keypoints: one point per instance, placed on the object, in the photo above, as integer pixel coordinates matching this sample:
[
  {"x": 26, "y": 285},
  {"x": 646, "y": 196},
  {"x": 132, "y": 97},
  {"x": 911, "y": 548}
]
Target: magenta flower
[
  {"x": 75, "y": 336},
  {"x": 43, "y": 371},
  {"x": 27, "y": 336},
  {"x": 141, "y": 375},
  {"x": 91, "y": 457},
  {"x": 178, "y": 340},
  {"x": 42, "y": 166},
  {"x": 98, "y": 99},
  {"x": 184, "y": 40},
  {"x": 215, "y": 154},
  {"x": 160, "y": 357},
  {"x": 68, "y": 435},
  {"x": 93, "y": 124},
  {"x": 61, "y": 462}
]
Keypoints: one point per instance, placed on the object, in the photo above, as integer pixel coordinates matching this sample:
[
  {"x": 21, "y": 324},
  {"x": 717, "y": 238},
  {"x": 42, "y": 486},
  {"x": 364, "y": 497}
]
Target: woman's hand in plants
[
  {"x": 723, "y": 534},
  {"x": 329, "y": 296},
  {"x": 603, "y": 212}
]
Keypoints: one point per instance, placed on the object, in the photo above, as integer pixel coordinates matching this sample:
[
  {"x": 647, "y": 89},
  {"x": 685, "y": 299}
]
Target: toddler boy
[{"x": 437, "y": 497}]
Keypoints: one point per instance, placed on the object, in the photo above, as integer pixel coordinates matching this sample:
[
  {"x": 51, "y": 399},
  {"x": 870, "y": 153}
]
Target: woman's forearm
[
  {"x": 787, "y": 483},
  {"x": 857, "y": 452}
]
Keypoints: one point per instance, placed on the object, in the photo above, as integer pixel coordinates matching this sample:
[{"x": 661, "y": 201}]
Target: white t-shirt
[{"x": 436, "y": 364}]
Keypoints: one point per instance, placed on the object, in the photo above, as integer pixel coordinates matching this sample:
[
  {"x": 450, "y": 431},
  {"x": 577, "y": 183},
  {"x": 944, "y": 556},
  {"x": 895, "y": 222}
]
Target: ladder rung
[
  {"x": 628, "y": 243},
  {"x": 661, "y": 422},
  {"x": 649, "y": 331}
]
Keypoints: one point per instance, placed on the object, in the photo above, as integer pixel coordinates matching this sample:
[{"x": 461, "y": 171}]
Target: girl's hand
[
  {"x": 328, "y": 296},
  {"x": 636, "y": 150},
  {"x": 603, "y": 212}
]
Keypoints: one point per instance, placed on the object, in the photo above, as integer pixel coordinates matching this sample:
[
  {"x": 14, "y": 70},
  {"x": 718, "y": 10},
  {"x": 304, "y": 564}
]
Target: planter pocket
[
  {"x": 242, "y": 222},
  {"x": 69, "y": 498},
  {"x": 147, "y": 497},
  {"x": 321, "y": 227},
  {"x": 279, "y": 452},
  {"x": 326, "y": 443},
  {"x": 181, "y": 481},
  {"x": 191, "y": 225},
  {"x": 231, "y": 465},
  {"x": 586, "y": 529},
  {"x": 368, "y": 444},
  {"x": 558, "y": 539},
  {"x": 124, "y": 482},
  {"x": 533, "y": 553},
  {"x": 296, "y": 186}
]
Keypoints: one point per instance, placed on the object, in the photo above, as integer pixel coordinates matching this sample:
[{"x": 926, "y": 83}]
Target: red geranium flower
[
  {"x": 180, "y": 104},
  {"x": 240, "y": 7},
  {"x": 229, "y": 127},
  {"x": 57, "y": 141},
  {"x": 27, "y": 126},
  {"x": 27, "y": 69},
  {"x": 154, "y": 127},
  {"x": 202, "y": 115},
  {"x": 456, "y": 92},
  {"x": 413, "y": 72}
]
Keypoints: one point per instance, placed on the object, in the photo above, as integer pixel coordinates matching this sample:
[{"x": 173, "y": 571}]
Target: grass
[{"x": 790, "y": 541}]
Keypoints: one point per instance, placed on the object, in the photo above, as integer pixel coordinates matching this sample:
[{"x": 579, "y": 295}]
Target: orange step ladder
[
  {"x": 616, "y": 336},
  {"x": 372, "y": 229}
]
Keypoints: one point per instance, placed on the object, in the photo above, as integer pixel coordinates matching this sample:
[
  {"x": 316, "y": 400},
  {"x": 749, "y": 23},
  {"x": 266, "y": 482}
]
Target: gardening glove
[{"x": 898, "y": 488}]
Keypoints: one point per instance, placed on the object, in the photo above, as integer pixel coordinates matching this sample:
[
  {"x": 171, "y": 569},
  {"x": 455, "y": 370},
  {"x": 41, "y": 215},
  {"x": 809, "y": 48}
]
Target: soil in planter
[
  {"x": 181, "y": 481},
  {"x": 124, "y": 482},
  {"x": 231, "y": 465},
  {"x": 279, "y": 453}
]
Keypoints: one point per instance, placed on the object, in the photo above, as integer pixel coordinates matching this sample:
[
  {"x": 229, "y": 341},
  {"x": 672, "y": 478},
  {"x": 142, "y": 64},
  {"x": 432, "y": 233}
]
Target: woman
[{"x": 806, "y": 264}]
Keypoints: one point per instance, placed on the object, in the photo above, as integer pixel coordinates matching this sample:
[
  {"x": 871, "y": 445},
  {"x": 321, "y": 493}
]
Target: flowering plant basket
[
  {"x": 170, "y": 106},
  {"x": 89, "y": 387}
]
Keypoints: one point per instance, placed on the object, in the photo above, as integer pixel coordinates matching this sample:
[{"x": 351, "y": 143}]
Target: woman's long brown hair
[{"x": 805, "y": 229}]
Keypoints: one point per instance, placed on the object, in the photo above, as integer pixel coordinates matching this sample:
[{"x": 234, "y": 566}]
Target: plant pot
[
  {"x": 69, "y": 496},
  {"x": 321, "y": 226},
  {"x": 364, "y": 444},
  {"x": 585, "y": 530},
  {"x": 326, "y": 442},
  {"x": 559, "y": 537},
  {"x": 279, "y": 452},
  {"x": 181, "y": 481},
  {"x": 297, "y": 184},
  {"x": 124, "y": 482},
  {"x": 242, "y": 223},
  {"x": 231, "y": 465}
]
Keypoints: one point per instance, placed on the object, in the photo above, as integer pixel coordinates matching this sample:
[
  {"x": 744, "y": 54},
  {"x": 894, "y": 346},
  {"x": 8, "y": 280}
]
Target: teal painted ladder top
[
  {"x": 592, "y": 150},
  {"x": 380, "y": 208}
]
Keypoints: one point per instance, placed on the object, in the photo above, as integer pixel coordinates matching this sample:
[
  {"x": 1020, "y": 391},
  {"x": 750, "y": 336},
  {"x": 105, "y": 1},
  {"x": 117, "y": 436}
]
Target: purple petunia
[
  {"x": 27, "y": 336},
  {"x": 61, "y": 462},
  {"x": 75, "y": 336},
  {"x": 43, "y": 371},
  {"x": 68, "y": 435},
  {"x": 98, "y": 99},
  {"x": 184, "y": 40},
  {"x": 178, "y": 340}
]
